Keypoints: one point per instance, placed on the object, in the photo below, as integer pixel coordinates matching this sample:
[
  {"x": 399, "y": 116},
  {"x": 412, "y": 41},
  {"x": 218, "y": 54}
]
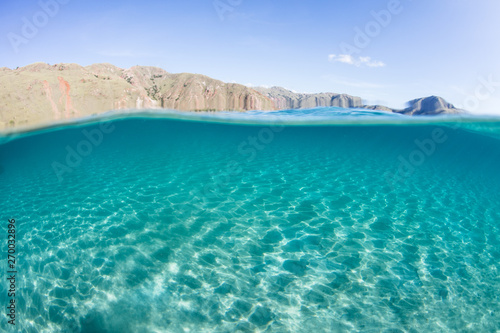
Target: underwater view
[{"x": 325, "y": 220}]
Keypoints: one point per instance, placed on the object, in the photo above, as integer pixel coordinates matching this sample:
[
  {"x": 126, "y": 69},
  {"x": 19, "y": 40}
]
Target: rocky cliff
[
  {"x": 41, "y": 93},
  {"x": 286, "y": 99}
]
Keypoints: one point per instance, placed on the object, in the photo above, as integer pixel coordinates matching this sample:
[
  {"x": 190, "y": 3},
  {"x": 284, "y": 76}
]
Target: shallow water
[{"x": 328, "y": 220}]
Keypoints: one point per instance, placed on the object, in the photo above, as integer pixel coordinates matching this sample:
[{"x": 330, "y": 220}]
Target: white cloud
[{"x": 352, "y": 60}]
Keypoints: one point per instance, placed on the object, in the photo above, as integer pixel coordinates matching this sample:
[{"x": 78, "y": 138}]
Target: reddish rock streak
[{"x": 65, "y": 88}]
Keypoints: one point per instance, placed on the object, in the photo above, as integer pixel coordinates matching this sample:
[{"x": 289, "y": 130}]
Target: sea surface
[{"x": 321, "y": 220}]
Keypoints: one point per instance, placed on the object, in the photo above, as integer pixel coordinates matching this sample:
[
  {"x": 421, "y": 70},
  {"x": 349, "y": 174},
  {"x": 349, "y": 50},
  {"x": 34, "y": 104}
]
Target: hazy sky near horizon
[{"x": 385, "y": 51}]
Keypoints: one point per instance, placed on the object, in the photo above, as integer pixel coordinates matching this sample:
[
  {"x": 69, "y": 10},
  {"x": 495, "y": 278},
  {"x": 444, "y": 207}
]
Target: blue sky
[{"x": 449, "y": 48}]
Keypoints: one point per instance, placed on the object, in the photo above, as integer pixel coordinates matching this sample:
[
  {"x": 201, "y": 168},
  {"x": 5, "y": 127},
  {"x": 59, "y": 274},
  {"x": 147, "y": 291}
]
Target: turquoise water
[{"x": 325, "y": 220}]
